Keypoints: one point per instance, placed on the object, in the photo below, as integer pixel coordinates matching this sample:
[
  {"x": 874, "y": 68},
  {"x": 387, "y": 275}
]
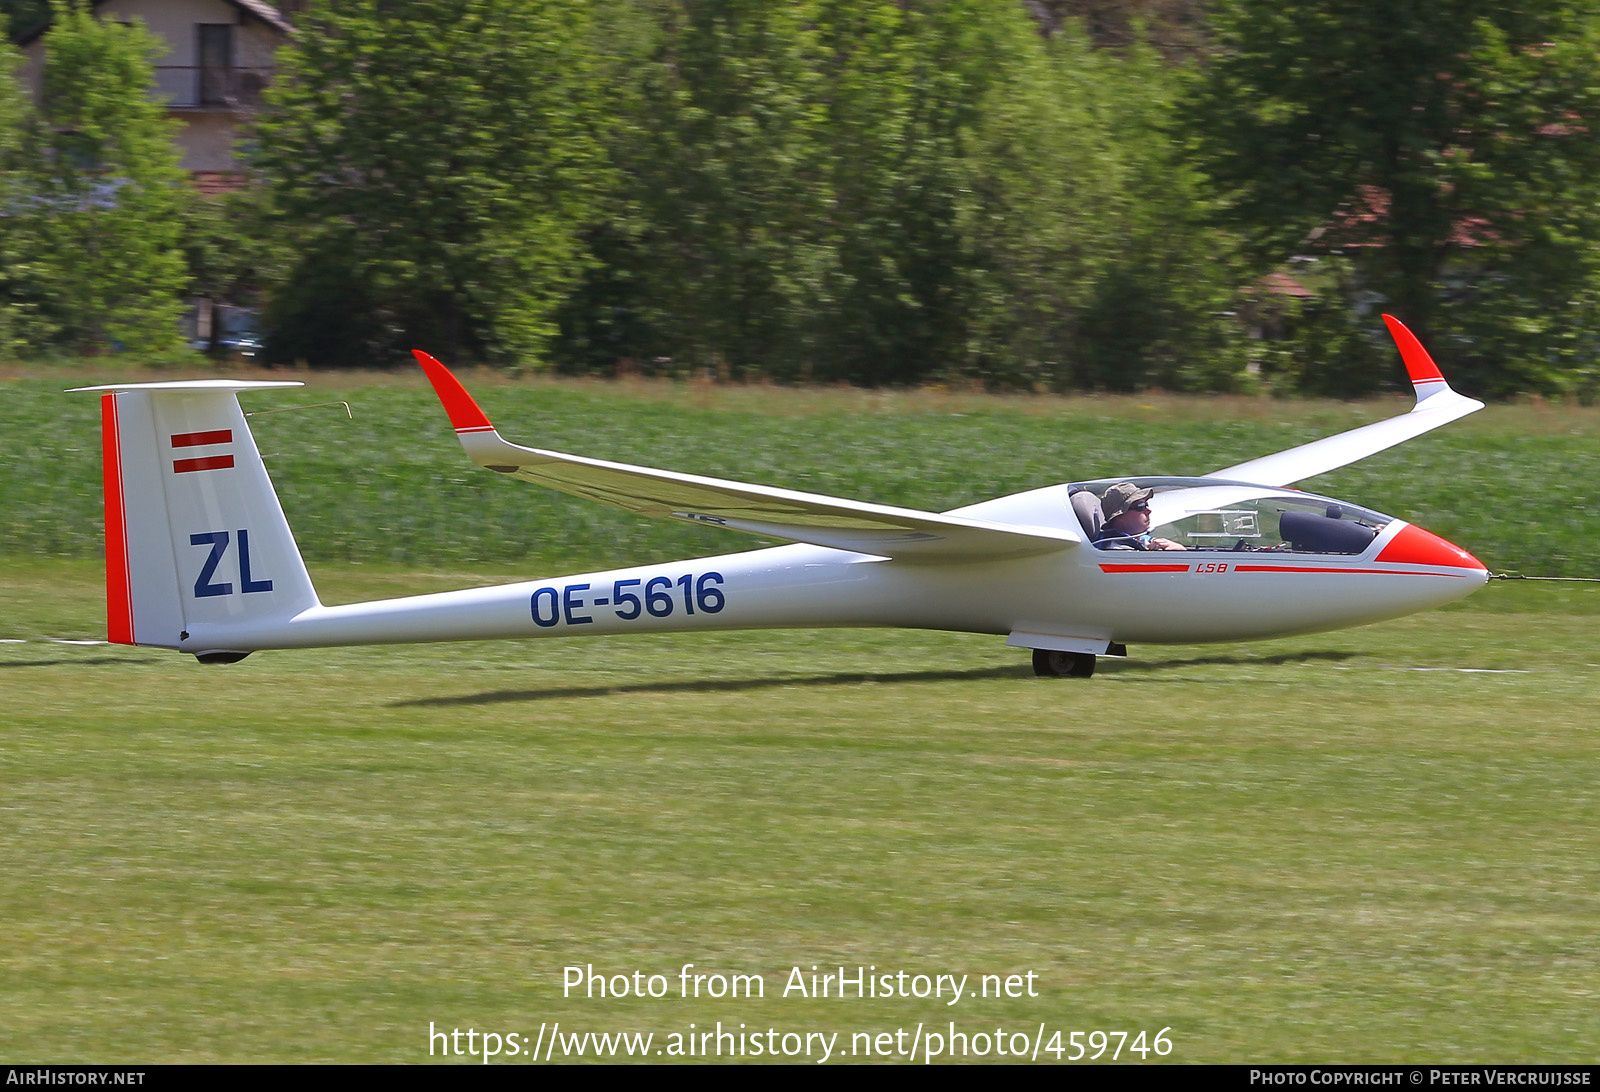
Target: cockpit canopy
[{"x": 1208, "y": 514}]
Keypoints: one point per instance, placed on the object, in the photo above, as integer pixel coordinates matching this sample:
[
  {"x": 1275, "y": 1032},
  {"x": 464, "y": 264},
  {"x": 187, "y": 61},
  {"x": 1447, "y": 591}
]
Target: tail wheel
[{"x": 1050, "y": 663}]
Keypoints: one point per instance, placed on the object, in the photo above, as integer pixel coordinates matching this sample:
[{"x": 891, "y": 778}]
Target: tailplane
[{"x": 194, "y": 531}]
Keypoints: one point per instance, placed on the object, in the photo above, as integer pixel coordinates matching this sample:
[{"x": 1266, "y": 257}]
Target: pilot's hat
[{"x": 1121, "y": 497}]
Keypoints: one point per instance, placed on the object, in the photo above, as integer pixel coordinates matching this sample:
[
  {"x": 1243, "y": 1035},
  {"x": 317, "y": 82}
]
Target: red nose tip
[{"x": 1414, "y": 546}]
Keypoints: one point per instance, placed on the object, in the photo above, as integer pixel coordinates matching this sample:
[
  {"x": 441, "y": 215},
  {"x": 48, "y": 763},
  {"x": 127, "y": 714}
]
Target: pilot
[{"x": 1127, "y": 521}]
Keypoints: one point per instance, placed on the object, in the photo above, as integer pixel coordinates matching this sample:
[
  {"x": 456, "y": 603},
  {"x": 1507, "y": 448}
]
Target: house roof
[
  {"x": 260, "y": 9},
  {"x": 265, "y": 12},
  {"x": 1281, "y": 284}
]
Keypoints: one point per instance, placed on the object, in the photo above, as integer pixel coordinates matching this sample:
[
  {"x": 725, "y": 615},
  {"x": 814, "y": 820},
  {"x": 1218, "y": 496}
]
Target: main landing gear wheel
[{"x": 1050, "y": 663}]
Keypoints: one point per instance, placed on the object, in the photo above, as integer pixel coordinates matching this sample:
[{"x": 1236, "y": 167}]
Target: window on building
[{"x": 216, "y": 63}]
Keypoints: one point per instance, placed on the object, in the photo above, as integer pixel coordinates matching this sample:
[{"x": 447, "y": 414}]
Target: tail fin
[{"x": 194, "y": 532}]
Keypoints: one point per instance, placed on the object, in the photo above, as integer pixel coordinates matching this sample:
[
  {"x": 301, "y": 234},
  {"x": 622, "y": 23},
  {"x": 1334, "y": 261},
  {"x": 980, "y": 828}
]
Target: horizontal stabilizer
[{"x": 229, "y": 386}]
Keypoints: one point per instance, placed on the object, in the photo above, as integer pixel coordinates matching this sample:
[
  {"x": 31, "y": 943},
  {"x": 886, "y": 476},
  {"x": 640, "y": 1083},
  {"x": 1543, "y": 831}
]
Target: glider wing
[
  {"x": 1436, "y": 405},
  {"x": 835, "y": 522}
]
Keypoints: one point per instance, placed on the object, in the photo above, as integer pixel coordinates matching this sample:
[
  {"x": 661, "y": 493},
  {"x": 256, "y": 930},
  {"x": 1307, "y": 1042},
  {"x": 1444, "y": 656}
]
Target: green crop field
[{"x": 1372, "y": 845}]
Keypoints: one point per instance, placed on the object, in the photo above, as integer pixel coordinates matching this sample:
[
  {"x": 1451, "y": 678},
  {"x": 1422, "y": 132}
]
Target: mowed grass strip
[{"x": 1373, "y": 845}]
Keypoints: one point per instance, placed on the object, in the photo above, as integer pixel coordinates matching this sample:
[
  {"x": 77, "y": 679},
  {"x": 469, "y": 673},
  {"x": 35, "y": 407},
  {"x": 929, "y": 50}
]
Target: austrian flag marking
[{"x": 214, "y": 438}]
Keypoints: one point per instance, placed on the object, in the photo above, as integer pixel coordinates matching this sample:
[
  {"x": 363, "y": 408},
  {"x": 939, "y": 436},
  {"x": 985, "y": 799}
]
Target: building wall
[
  {"x": 206, "y": 142},
  {"x": 174, "y": 22}
]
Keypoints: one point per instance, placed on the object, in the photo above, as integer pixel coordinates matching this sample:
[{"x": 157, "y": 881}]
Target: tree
[
  {"x": 1445, "y": 147},
  {"x": 229, "y": 252},
  {"x": 882, "y": 191},
  {"x": 16, "y": 277},
  {"x": 432, "y": 163},
  {"x": 722, "y": 203},
  {"x": 1177, "y": 28},
  {"x": 100, "y": 221},
  {"x": 1095, "y": 262},
  {"x": 790, "y": 189},
  {"x": 951, "y": 156},
  {"x": 24, "y": 15},
  {"x": 904, "y": 88}
]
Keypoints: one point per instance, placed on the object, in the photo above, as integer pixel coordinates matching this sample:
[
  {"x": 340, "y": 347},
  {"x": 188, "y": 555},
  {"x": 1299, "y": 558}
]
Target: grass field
[
  {"x": 1372, "y": 845},
  {"x": 1515, "y": 485}
]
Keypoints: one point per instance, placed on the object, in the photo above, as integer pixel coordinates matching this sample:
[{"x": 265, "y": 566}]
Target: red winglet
[
  {"x": 465, "y": 416},
  {"x": 1419, "y": 364}
]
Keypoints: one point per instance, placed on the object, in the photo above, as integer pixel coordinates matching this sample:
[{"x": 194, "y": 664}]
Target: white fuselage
[{"x": 1081, "y": 595}]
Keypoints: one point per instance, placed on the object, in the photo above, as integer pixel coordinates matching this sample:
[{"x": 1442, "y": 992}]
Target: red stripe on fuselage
[
  {"x": 1331, "y": 569},
  {"x": 210, "y": 462},
  {"x": 1124, "y": 569},
  {"x": 200, "y": 439},
  {"x": 119, "y": 588}
]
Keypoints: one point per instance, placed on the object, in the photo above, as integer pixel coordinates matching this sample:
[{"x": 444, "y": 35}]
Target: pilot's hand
[{"x": 1166, "y": 544}]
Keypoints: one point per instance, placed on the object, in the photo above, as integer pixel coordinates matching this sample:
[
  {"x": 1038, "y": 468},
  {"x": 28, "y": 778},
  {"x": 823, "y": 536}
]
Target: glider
[{"x": 200, "y": 558}]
